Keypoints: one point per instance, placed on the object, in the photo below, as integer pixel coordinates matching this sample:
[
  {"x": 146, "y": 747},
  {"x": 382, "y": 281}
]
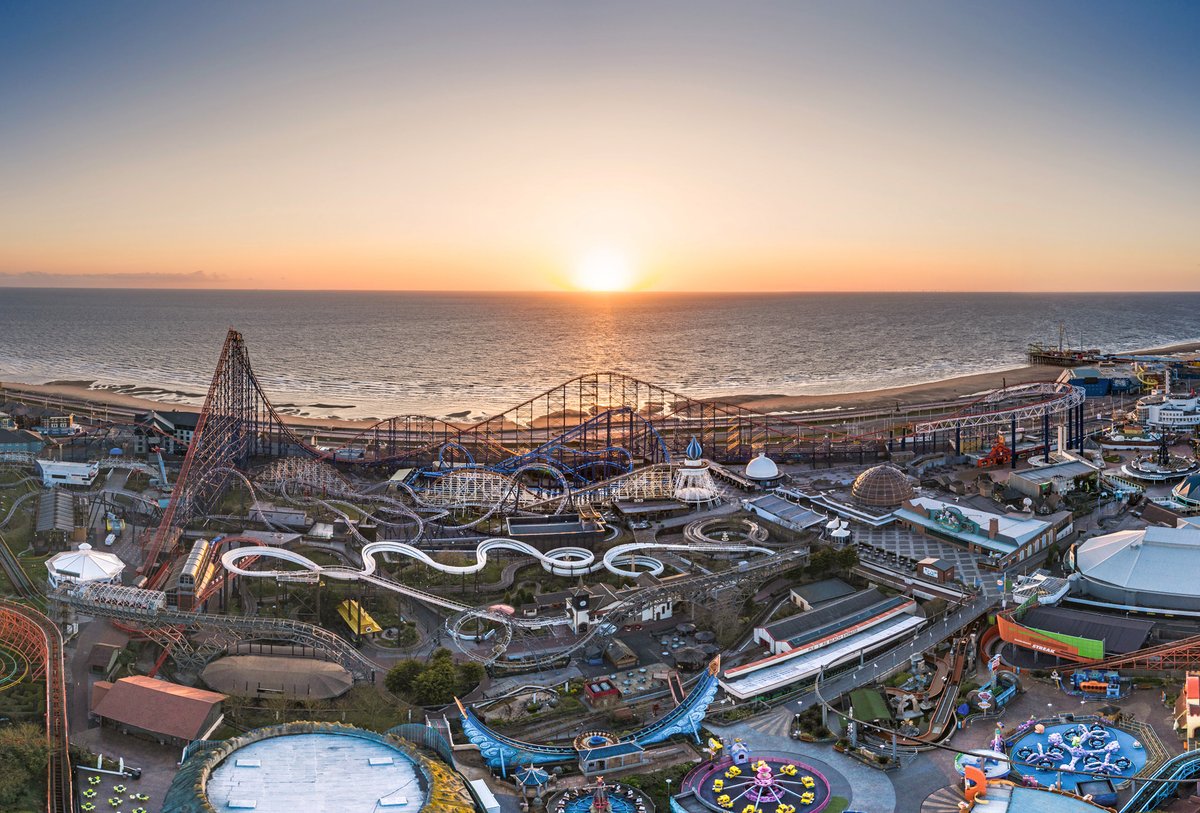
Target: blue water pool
[{"x": 1100, "y": 749}]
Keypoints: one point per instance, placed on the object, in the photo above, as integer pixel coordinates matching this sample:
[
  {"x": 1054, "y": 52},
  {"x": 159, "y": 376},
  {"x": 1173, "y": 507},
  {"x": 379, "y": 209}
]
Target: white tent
[{"x": 83, "y": 565}]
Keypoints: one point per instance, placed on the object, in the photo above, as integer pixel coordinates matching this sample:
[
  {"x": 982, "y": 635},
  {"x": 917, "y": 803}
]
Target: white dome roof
[
  {"x": 762, "y": 468},
  {"x": 85, "y": 565}
]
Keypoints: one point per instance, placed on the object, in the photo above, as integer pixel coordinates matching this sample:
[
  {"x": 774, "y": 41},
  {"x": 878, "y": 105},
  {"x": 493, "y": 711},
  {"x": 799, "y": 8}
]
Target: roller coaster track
[
  {"x": 693, "y": 588},
  {"x": 17, "y": 503},
  {"x": 1021, "y": 402},
  {"x": 16, "y": 574},
  {"x": 568, "y": 562},
  {"x": 1180, "y": 655},
  {"x": 649, "y": 483},
  {"x": 1163, "y": 783},
  {"x": 562, "y": 427},
  {"x": 560, "y": 562},
  {"x": 216, "y": 633},
  {"x": 39, "y": 639}
]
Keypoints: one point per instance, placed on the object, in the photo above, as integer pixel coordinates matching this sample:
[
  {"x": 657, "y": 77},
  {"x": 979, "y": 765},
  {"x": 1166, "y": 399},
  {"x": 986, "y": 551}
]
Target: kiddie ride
[{"x": 1091, "y": 748}]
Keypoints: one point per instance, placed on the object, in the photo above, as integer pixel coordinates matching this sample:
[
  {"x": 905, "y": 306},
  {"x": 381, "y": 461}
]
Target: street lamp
[{"x": 668, "y": 790}]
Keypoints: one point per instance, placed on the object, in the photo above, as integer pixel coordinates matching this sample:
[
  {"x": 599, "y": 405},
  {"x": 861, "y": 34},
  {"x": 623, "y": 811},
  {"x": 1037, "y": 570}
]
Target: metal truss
[
  {"x": 483, "y": 488},
  {"x": 1176, "y": 656},
  {"x": 207, "y": 635},
  {"x": 306, "y": 474},
  {"x": 1022, "y": 402},
  {"x": 236, "y": 423}
]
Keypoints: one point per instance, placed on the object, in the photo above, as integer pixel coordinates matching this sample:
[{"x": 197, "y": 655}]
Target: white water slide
[{"x": 623, "y": 560}]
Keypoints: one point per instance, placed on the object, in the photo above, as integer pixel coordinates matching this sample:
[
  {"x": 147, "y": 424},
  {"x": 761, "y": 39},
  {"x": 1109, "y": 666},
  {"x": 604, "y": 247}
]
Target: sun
[{"x": 604, "y": 269}]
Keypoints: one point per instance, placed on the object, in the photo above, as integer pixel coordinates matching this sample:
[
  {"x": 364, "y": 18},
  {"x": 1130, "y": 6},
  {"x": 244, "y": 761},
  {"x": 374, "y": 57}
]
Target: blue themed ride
[
  {"x": 1076, "y": 752},
  {"x": 503, "y": 753}
]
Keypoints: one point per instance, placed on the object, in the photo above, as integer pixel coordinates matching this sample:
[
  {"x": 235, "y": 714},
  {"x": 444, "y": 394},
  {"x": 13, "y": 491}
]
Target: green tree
[
  {"x": 23, "y": 760},
  {"x": 847, "y": 558},
  {"x": 436, "y": 685},
  {"x": 469, "y": 675},
  {"x": 401, "y": 677},
  {"x": 441, "y": 654}
]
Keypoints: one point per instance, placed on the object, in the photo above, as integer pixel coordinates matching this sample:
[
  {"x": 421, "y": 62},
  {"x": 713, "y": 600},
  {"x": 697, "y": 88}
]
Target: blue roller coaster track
[
  {"x": 501, "y": 752},
  {"x": 1155, "y": 791}
]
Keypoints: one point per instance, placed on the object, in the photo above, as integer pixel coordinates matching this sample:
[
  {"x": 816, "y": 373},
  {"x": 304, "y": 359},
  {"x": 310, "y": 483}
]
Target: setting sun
[{"x": 604, "y": 270}]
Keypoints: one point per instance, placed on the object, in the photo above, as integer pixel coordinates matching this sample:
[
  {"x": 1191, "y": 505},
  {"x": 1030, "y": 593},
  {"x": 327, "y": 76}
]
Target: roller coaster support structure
[
  {"x": 214, "y": 633},
  {"x": 38, "y": 639}
]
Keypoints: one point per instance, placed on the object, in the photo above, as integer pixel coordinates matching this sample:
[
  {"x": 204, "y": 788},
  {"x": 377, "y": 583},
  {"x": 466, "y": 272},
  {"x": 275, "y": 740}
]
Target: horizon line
[{"x": 596, "y": 294}]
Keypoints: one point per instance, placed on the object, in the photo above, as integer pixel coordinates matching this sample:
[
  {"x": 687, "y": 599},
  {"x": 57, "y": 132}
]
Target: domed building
[
  {"x": 763, "y": 471},
  {"x": 882, "y": 486},
  {"x": 1187, "y": 493},
  {"x": 83, "y": 565},
  {"x": 1152, "y": 568},
  {"x": 319, "y": 767}
]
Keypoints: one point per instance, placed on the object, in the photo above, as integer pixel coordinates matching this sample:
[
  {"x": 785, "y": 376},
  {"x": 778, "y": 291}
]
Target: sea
[{"x": 468, "y": 355}]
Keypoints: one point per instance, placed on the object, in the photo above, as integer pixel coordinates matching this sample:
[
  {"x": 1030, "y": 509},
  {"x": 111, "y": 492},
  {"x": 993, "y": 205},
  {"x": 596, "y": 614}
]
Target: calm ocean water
[{"x": 380, "y": 354}]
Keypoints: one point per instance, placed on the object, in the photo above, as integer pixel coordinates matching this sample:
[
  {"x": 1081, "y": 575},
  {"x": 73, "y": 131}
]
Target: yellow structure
[{"x": 358, "y": 619}]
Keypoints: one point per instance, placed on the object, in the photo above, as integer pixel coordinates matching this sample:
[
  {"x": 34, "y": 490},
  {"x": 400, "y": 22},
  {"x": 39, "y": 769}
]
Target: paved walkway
[{"x": 866, "y": 788}]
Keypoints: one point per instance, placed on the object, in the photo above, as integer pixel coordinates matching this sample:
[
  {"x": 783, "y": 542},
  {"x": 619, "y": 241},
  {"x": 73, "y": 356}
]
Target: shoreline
[{"x": 79, "y": 393}]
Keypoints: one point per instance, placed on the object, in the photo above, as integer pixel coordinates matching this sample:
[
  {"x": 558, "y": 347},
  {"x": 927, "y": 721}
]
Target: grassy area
[
  {"x": 837, "y": 804},
  {"x": 654, "y": 784}
]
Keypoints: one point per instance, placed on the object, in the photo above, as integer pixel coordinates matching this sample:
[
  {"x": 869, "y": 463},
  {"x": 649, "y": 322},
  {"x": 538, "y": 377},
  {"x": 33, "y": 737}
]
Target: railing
[
  {"x": 1155, "y": 791},
  {"x": 240, "y": 627}
]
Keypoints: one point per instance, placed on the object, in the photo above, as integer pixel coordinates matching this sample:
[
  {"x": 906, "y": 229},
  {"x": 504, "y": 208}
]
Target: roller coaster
[
  {"x": 1164, "y": 783},
  {"x": 167, "y": 626},
  {"x": 596, "y": 438},
  {"x": 36, "y": 639},
  {"x": 556, "y": 447},
  {"x": 560, "y": 562}
]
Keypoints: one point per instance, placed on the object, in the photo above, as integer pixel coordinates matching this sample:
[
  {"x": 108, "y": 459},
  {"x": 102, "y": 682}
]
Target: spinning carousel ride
[{"x": 770, "y": 784}]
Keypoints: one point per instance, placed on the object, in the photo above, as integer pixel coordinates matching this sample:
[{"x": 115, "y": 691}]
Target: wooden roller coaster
[{"x": 36, "y": 638}]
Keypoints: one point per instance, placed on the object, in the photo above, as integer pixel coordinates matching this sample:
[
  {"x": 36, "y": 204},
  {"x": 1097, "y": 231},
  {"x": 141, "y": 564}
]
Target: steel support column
[{"x": 1013, "y": 463}]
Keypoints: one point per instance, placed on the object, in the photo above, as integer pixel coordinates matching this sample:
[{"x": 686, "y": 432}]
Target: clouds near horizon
[{"x": 757, "y": 146}]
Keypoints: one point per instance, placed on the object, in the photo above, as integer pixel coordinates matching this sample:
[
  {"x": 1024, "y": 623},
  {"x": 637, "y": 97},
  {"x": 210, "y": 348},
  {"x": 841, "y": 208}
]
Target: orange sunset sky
[{"x": 644, "y": 146}]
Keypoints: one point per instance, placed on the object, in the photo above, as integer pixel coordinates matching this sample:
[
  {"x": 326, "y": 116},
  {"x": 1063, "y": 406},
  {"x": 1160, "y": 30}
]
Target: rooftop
[
  {"x": 1012, "y": 530},
  {"x": 317, "y": 772},
  {"x": 85, "y": 564},
  {"x": 788, "y": 511},
  {"x": 882, "y": 486},
  {"x": 800, "y": 623},
  {"x": 1044, "y": 474},
  {"x": 1120, "y": 635},
  {"x": 788, "y": 668},
  {"x": 822, "y": 591},
  {"x": 1153, "y": 559},
  {"x": 156, "y": 705}
]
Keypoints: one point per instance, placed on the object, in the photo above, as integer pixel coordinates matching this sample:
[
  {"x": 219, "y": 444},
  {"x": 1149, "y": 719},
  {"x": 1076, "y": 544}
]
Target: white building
[
  {"x": 83, "y": 565},
  {"x": 60, "y": 473},
  {"x": 1169, "y": 411}
]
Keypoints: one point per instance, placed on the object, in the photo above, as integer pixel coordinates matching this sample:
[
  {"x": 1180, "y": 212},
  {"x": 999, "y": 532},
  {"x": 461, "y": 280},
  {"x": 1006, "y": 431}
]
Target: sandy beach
[{"x": 76, "y": 394}]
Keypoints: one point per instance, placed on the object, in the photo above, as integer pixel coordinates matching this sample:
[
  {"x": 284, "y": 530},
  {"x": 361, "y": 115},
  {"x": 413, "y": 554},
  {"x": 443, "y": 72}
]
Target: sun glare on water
[{"x": 604, "y": 270}]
